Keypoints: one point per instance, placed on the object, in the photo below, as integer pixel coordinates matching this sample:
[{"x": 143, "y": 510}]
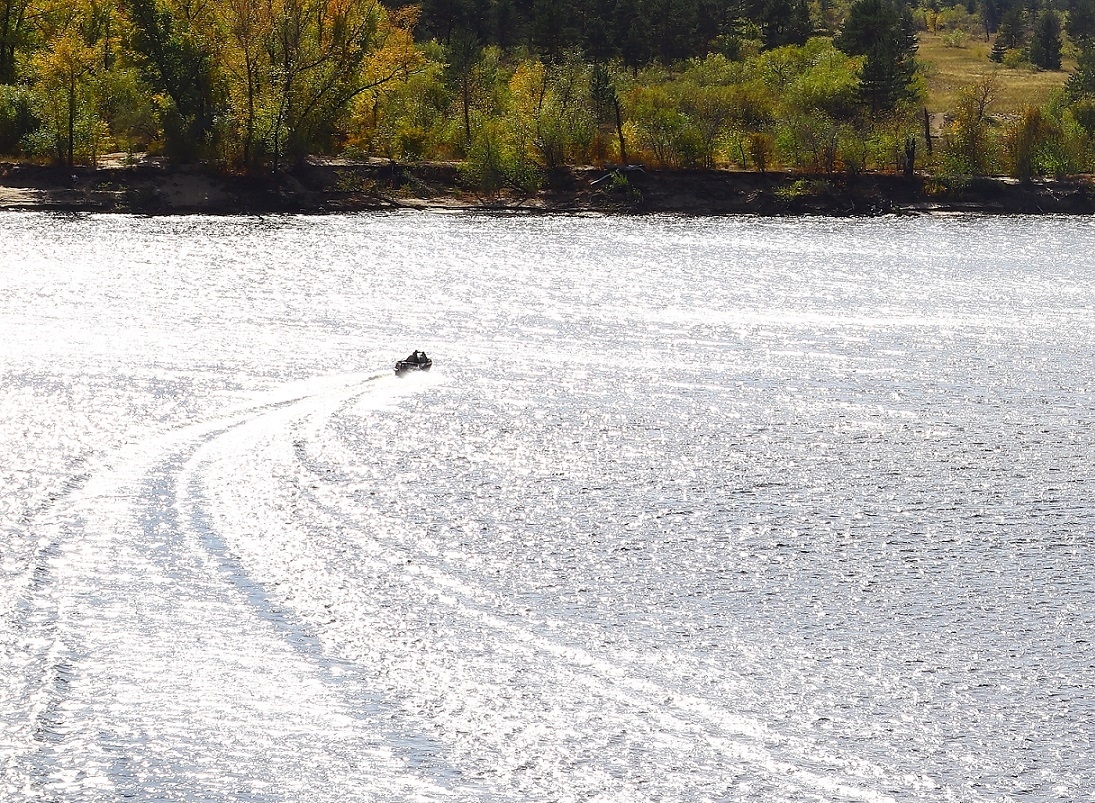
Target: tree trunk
[
  {"x": 620, "y": 128},
  {"x": 465, "y": 96},
  {"x": 71, "y": 156}
]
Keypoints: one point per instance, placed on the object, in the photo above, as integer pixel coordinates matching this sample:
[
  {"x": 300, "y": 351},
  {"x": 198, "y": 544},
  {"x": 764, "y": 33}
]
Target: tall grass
[{"x": 950, "y": 68}]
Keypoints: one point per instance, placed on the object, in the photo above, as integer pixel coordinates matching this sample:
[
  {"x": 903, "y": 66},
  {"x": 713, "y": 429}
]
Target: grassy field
[{"x": 951, "y": 68}]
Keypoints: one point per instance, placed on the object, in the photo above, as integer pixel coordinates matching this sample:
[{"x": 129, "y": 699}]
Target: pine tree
[
  {"x": 1081, "y": 84},
  {"x": 1010, "y": 33},
  {"x": 633, "y": 33},
  {"x": 884, "y": 32},
  {"x": 1045, "y": 44},
  {"x": 785, "y": 22},
  {"x": 991, "y": 13},
  {"x": 1081, "y": 21}
]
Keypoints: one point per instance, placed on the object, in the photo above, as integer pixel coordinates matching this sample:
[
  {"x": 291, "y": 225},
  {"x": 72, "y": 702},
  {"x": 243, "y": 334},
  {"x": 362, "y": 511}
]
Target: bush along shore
[{"x": 343, "y": 186}]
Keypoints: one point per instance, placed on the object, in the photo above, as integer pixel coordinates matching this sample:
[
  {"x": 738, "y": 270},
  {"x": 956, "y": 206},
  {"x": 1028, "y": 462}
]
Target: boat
[{"x": 417, "y": 361}]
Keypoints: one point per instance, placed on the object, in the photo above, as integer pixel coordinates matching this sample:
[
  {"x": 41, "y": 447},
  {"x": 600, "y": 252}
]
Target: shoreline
[{"x": 341, "y": 186}]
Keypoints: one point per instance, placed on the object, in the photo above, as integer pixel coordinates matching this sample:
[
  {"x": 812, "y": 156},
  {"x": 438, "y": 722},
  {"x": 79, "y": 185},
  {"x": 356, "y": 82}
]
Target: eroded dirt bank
[{"x": 336, "y": 186}]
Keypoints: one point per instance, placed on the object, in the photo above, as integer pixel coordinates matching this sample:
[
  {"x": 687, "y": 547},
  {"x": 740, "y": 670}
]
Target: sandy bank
[{"x": 324, "y": 186}]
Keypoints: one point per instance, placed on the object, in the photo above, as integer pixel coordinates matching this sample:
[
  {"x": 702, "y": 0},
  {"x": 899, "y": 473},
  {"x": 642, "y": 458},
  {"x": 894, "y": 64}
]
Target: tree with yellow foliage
[
  {"x": 321, "y": 55},
  {"x": 264, "y": 83},
  {"x": 66, "y": 93}
]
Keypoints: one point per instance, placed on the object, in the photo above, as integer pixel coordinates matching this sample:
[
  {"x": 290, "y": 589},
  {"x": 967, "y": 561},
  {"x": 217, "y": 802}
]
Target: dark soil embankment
[{"x": 338, "y": 186}]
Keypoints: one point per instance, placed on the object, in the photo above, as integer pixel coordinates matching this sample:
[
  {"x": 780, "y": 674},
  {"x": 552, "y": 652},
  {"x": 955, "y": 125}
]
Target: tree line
[
  {"x": 243, "y": 83},
  {"x": 516, "y": 88}
]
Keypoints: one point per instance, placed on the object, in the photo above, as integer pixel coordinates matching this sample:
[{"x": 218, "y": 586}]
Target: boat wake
[{"x": 236, "y": 610}]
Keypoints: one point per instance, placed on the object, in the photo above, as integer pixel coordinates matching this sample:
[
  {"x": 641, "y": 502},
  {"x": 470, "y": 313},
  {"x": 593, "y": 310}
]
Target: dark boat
[{"x": 418, "y": 361}]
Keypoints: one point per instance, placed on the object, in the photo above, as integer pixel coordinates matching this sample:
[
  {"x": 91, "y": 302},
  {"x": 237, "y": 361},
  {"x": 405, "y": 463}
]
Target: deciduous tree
[
  {"x": 66, "y": 96},
  {"x": 179, "y": 61},
  {"x": 970, "y": 148}
]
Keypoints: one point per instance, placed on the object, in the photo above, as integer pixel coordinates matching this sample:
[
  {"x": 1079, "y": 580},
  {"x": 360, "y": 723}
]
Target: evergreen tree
[
  {"x": 13, "y": 26},
  {"x": 714, "y": 18},
  {"x": 596, "y": 33},
  {"x": 1081, "y": 21},
  {"x": 1045, "y": 44},
  {"x": 464, "y": 53},
  {"x": 1010, "y": 35},
  {"x": 505, "y": 23},
  {"x": 1081, "y": 84},
  {"x": 884, "y": 32},
  {"x": 991, "y": 13},
  {"x": 633, "y": 33},
  {"x": 551, "y": 27},
  {"x": 442, "y": 18},
  {"x": 673, "y": 26},
  {"x": 785, "y": 22}
]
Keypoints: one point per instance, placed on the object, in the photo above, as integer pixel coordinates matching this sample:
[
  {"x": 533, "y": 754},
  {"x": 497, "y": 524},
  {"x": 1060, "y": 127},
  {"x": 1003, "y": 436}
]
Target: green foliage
[
  {"x": 553, "y": 104},
  {"x": 1081, "y": 84},
  {"x": 1014, "y": 59},
  {"x": 65, "y": 100},
  {"x": 517, "y": 90},
  {"x": 785, "y": 22},
  {"x": 1011, "y": 34},
  {"x": 958, "y": 19},
  {"x": 500, "y": 159},
  {"x": 1078, "y": 127},
  {"x": 405, "y": 119},
  {"x": 1080, "y": 24},
  {"x": 620, "y": 191},
  {"x": 16, "y": 32},
  {"x": 127, "y": 108},
  {"x": 17, "y": 117},
  {"x": 178, "y": 62},
  {"x": 883, "y": 32},
  {"x": 957, "y": 39},
  {"x": 883, "y": 145},
  {"x": 1045, "y": 44},
  {"x": 972, "y": 146},
  {"x": 801, "y": 188},
  {"x": 664, "y": 131},
  {"x": 1036, "y": 145},
  {"x": 1083, "y": 113},
  {"x": 827, "y": 81},
  {"x": 810, "y": 142}
]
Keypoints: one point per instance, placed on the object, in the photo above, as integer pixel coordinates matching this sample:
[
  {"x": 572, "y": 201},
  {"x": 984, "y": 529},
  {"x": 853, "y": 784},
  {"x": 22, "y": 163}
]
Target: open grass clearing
[{"x": 949, "y": 69}]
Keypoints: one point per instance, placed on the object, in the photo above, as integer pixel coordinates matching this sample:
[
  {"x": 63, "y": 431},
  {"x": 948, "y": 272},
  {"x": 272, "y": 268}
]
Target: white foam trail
[
  {"x": 284, "y": 522},
  {"x": 164, "y": 671}
]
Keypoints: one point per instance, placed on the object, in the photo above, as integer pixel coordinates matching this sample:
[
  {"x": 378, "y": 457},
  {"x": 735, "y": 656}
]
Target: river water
[{"x": 687, "y": 510}]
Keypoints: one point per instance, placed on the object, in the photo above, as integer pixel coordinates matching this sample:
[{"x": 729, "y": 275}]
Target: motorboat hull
[{"x": 416, "y": 362}]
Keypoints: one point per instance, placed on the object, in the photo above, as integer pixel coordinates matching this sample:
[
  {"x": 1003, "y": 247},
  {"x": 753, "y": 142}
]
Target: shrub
[
  {"x": 956, "y": 39},
  {"x": 762, "y": 150},
  {"x": 17, "y": 117},
  {"x": 499, "y": 158},
  {"x": 1013, "y": 59}
]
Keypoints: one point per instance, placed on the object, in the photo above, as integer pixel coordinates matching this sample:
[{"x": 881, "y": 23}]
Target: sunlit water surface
[{"x": 688, "y": 510}]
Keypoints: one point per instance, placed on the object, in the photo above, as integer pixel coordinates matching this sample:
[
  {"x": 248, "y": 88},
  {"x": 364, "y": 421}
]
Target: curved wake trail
[
  {"x": 167, "y": 674},
  {"x": 220, "y": 617},
  {"x": 521, "y": 705}
]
